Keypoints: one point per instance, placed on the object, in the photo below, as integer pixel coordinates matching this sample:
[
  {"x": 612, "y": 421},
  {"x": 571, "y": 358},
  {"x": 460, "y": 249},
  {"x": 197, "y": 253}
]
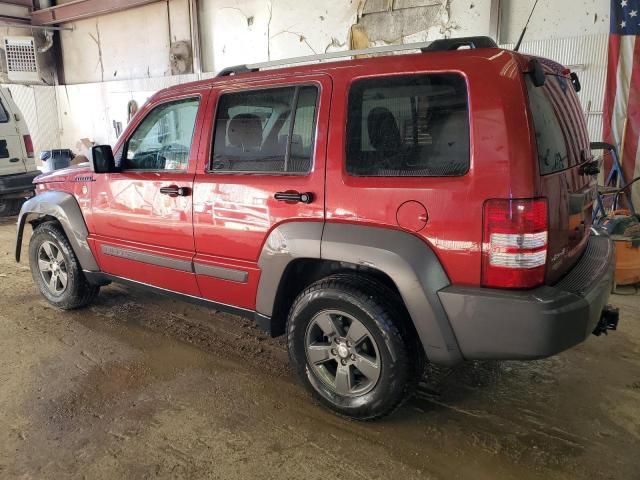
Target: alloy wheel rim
[
  {"x": 52, "y": 268},
  {"x": 342, "y": 353}
]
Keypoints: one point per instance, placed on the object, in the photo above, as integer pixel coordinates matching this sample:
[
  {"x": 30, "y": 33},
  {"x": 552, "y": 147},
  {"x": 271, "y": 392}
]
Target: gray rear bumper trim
[{"x": 503, "y": 324}]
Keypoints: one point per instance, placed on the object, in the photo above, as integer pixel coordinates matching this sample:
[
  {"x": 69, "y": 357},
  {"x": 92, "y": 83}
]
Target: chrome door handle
[
  {"x": 294, "y": 197},
  {"x": 175, "y": 191}
]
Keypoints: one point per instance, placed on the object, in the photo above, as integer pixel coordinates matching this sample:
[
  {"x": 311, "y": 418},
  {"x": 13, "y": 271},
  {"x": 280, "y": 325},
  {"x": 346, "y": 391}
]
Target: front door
[
  {"x": 142, "y": 216},
  {"x": 266, "y": 153}
]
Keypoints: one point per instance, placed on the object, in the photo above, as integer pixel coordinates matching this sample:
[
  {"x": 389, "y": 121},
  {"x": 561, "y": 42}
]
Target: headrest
[
  {"x": 384, "y": 134},
  {"x": 245, "y": 130}
]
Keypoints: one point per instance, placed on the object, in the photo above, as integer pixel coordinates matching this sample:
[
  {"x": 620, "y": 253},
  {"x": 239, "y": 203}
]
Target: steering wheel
[
  {"x": 172, "y": 149},
  {"x": 220, "y": 164}
]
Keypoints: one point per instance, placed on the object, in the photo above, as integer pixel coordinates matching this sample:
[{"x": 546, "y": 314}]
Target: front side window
[
  {"x": 162, "y": 141},
  {"x": 408, "y": 126},
  {"x": 266, "y": 131}
]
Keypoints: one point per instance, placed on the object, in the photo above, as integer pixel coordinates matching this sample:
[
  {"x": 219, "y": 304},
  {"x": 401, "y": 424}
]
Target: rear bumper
[
  {"x": 15, "y": 186},
  {"x": 501, "y": 324}
]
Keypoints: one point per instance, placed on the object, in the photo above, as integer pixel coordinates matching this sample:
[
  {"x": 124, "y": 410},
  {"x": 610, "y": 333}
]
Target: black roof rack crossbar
[
  {"x": 225, "y": 72},
  {"x": 456, "y": 43}
]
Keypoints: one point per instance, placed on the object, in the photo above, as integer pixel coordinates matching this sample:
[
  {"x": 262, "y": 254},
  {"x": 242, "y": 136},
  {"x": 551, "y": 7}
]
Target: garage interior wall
[
  {"x": 114, "y": 58},
  {"x": 39, "y": 107}
]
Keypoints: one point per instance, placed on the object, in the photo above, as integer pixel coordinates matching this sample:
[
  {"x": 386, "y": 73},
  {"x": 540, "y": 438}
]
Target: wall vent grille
[{"x": 21, "y": 59}]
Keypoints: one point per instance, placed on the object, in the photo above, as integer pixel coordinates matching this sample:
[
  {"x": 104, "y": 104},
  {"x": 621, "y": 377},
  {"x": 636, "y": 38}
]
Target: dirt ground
[{"x": 142, "y": 386}]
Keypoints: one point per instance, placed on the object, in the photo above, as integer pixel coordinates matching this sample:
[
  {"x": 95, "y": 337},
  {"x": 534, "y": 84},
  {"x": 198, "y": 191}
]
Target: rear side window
[
  {"x": 552, "y": 149},
  {"x": 408, "y": 126},
  {"x": 266, "y": 131}
]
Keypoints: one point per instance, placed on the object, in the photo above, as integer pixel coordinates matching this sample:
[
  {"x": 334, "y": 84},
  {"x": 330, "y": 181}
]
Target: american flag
[{"x": 622, "y": 93}]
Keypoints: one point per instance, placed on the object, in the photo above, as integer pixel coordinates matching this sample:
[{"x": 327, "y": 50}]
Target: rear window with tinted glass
[
  {"x": 404, "y": 126},
  {"x": 553, "y": 155}
]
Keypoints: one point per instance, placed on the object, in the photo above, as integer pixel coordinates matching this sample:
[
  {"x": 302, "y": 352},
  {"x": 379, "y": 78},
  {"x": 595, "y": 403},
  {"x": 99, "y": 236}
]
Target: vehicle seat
[
  {"x": 384, "y": 134},
  {"x": 244, "y": 133}
]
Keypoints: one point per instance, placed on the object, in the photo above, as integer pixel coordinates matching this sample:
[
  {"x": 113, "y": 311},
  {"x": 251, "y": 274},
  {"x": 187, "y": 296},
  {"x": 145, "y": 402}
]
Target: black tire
[
  {"x": 77, "y": 292},
  {"x": 380, "y": 310}
]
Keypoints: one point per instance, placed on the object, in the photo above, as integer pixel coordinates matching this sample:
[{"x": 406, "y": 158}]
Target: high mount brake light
[{"x": 514, "y": 243}]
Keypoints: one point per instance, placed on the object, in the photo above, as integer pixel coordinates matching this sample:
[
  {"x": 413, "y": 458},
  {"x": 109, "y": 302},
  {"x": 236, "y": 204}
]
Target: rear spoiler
[{"x": 539, "y": 67}]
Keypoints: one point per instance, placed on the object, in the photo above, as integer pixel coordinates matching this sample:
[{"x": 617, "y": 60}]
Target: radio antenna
[{"x": 524, "y": 30}]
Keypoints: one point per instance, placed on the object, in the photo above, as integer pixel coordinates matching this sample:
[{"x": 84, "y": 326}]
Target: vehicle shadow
[
  {"x": 455, "y": 384},
  {"x": 213, "y": 331}
]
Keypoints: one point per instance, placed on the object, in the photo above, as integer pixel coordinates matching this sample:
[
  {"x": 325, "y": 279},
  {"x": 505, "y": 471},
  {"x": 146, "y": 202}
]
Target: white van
[{"x": 17, "y": 162}]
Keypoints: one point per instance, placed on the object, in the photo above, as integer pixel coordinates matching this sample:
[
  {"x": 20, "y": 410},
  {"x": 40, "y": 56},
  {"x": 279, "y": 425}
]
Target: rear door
[
  {"x": 266, "y": 139},
  {"x": 562, "y": 147},
  {"x": 11, "y": 150}
]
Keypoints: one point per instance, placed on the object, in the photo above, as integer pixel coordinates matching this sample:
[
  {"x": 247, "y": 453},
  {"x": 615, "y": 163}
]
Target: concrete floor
[{"x": 141, "y": 386}]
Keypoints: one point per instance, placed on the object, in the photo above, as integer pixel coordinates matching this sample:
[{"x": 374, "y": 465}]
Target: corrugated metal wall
[
  {"x": 587, "y": 56},
  {"x": 47, "y": 118}
]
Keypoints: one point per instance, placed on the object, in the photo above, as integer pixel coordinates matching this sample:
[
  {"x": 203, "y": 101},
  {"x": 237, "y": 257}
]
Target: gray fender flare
[
  {"x": 408, "y": 261},
  {"x": 64, "y": 208},
  {"x": 284, "y": 244},
  {"x": 413, "y": 267}
]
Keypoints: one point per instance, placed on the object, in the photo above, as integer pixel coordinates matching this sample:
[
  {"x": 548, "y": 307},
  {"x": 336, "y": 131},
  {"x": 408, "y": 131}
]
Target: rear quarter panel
[{"x": 500, "y": 158}]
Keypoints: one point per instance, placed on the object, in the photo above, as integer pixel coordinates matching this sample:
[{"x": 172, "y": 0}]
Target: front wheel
[
  {"x": 348, "y": 343},
  {"x": 56, "y": 270}
]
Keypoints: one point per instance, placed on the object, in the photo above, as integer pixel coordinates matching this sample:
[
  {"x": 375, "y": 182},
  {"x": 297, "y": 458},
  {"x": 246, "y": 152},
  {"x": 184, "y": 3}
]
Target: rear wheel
[
  {"x": 56, "y": 270},
  {"x": 348, "y": 344}
]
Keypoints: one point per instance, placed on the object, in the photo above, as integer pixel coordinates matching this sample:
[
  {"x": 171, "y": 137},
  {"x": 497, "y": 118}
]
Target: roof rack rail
[{"x": 435, "y": 46}]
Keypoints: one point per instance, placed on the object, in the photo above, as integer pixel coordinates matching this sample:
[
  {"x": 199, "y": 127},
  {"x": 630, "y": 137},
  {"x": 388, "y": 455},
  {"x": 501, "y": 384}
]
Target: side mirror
[{"x": 102, "y": 160}]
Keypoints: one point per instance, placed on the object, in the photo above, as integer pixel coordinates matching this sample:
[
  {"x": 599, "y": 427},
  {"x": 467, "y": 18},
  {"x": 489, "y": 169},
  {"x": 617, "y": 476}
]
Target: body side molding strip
[
  {"x": 150, "y": 258},
  {"x": 224, "y": 273}
]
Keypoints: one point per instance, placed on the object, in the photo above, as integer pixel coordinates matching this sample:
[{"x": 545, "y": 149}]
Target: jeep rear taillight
[
  {"x": 28, "y": 145},
  {"x": 514, "y": 243}
]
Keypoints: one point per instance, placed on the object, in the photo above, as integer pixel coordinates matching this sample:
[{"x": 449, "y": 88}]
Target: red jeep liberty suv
[{"x": 381, "y": 212}]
